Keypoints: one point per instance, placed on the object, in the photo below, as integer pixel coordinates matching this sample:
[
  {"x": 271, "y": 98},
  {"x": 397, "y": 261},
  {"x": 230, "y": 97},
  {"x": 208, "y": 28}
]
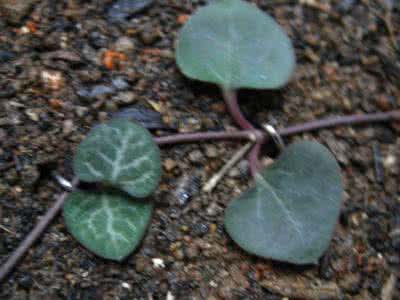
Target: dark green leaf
[
  {"x": 122, "y": 154},
  {"x": 234, "y": 44},
  {"x": 108, "y": 224},
  {"x": 291, "y": 212}
]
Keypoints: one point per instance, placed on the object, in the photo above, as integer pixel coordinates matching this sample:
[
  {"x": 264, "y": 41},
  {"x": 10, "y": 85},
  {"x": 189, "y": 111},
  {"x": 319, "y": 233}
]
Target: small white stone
[
  {"x": 85, "y": 274},
  {"x": 124, "y": 44},
  {"x": 53, "y": 80},
  {"x": 170, "y": 296},
  {"x": 158, "y": 263},
  {"x": 126, "y": 285},
  {"x": 389, "y": 161},
  {"x": 25, "y": 30},
  {"x": 213, "y": 284}
]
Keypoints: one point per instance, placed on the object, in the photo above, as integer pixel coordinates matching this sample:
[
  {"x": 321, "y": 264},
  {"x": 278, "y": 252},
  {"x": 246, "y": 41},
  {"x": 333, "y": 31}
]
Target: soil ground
[{"x": 59, "y": 76}]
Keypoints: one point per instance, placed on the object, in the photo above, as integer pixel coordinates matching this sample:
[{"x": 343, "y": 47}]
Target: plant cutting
[{"x": 288, "y": 214}]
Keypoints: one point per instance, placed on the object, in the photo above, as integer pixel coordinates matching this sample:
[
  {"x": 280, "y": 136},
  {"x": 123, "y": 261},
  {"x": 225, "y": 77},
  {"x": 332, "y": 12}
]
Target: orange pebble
[
  {"x": 182, "y": 19},
  {"x": 111, "y": 59},
  {"x": 32, "y": 26},
  {"x": 56, "y": 103}
]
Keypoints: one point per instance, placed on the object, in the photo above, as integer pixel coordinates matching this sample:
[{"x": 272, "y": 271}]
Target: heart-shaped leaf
[
  {"x": 291, "y": 212},
  {"x": 234, "y": 44},
  {"x": 110, "y": 225},
  {"x": 122, "y": 154}
]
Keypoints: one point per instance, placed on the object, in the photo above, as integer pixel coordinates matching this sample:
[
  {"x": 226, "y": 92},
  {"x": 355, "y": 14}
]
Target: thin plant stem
[
  {"x": 230, "y": 97},
  {"x": 258, "y": 135},
  {"x": 7, "y": 230},
  {"x": 36, "y": 232},
  {"x": 254, "y": 164},
  {"x": 393, "y": 115}
]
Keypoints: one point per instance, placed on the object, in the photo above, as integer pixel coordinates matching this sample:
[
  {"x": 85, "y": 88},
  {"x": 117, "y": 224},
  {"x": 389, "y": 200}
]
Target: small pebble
[
  {"x": 125, "y": 98},
  {"x": 98, "y": 40},
  {"x": 95, "y": 91},
  {"x": 169, "y": 164},
  {"x": 25, "y": 281},
  {"x": 389, "y": 161},
  {"x": 68, "y": 127},
  {"x": 200, "y": 229},
  {"x": 32, "y": 114},
  {"x": 126, "y": 285},
  {"x": 187, "y": 187},
  {"x": 53, "y": 80},
  {"x": 158, "y": 263},
  {"x": 179, "y": 254},
  {"x": 14, "y": 11},
  {"x": 81, "y": 111},
  {"x": 120, "y": 10},
  {"x": 7, "y": 92},
  {"x": 196, "y": 156},
  {"x": 148, "y": 35},
  {"x": 6, "y": 56},
  {"x": 170, "y": 296},
  {"x": 140, "y": 264},
  {"x": 192, "y": 251},
  {"x": 211, "y": 151},
  {"x": 124, "y": 44},
  {"x": 120, "y": 83},
  {"x": 213, "y": 209},
  {"x": 3, "y": 134}
]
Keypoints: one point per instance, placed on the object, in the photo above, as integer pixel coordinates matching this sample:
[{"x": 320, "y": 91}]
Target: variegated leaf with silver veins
[
  {"x": 122, "y": 154},
  {"x": 111, "y": 225}
]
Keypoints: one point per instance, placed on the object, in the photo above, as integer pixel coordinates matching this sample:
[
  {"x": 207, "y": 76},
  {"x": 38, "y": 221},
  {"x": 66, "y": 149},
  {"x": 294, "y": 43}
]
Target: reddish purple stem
[
  {"x": 340, "y": 121},
  {"x": 231, "y": 101},
  {"x": 254, "y": 164},
  {"x": 36, "y": 232}
]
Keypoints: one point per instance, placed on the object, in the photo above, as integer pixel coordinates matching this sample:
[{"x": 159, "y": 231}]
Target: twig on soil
[
  {"x": 18, "y": 253},
  {"x": 252, "y": 135},
  {"x": 379, "y": 172},
  {"x": 7, "y": 230},
  {"x": 386, "y": 17},
  {"x": 389, "y": 288},
  {"x": 249, "y": 135},
  {"x": 302, "y": 290},
  {"x": 210, "y": 185}
]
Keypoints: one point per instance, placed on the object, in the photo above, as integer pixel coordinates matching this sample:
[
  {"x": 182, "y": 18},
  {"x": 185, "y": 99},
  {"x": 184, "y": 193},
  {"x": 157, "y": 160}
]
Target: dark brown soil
[{"x": 51, "y": 58}]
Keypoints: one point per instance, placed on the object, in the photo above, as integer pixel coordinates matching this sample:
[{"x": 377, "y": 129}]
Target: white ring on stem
[
  {"x": 276, "y": 137},
  {"x": 67, "y": 185}
]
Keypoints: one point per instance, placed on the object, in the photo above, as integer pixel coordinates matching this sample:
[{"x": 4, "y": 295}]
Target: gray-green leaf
[
  {"x": 122, "y": 154},
  {"x": 291, "y": 212},
  {"x": 108, "y": 224},
  {"x": 236, "y": 45}
]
